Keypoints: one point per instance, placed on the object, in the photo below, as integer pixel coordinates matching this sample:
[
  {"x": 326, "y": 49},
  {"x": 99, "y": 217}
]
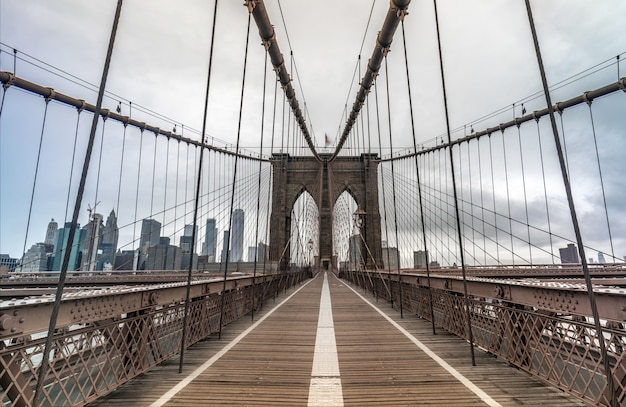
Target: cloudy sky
[{"x": 161, "y": 56}]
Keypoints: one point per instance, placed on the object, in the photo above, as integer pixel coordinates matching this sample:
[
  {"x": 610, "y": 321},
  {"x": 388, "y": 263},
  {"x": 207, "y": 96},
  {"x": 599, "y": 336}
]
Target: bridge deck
[{"x": 377, "y": 364}]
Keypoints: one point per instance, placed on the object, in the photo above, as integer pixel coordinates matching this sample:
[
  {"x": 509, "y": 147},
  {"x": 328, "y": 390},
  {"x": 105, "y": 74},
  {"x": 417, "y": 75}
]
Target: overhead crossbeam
[
  {"x": 559, "y": 107},
  {"x": 397, "y": 11},
  {"x": 268, "y": 36},
  {"x": 8, "y": 79}
]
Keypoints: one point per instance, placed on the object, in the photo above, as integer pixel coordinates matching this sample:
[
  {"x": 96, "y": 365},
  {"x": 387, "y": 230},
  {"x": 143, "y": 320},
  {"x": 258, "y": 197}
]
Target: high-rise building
[
  {"x": 419, "y": 259},
  {"x": 186, "y": 238},
  {"x": 601, "y": 258},
  {"x": 186, "y": 242},
  {"x": 225, "y": 247},
  {"x": 51, "y": 233},
  {"x": 93, "y": 237},
  {"x": 210, "y": 240},
  {"x": 262, "y": 252},
  {"x": 164, "y": 256},
  {"x": 7, "y": 263},
  {"x": 108, "y": 244},
  {"x": 150, "y": 233},
  {"x": 236, "y": 240},
  {"x": 36, "y": 258},
  {"x": 569, "y": 254},
  {"x": 76, "y": 251},
  {"x": 391, "y": 257}
]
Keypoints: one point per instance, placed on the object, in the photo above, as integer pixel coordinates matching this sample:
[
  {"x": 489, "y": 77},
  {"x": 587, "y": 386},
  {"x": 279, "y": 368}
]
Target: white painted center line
[{"x": 325, "y": 388}]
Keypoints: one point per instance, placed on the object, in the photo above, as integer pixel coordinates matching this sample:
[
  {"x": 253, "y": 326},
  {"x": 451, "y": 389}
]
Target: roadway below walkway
[{"x": 325, "y": 344}]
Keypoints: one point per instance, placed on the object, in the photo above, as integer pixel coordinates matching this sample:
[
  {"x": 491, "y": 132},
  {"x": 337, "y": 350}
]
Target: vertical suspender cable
[
  {"x": 197, "y": 197},
  {"x": 32, "y": 195},
  {"x": 508, "y": 197},
  {"x": 119, "y": 182},
  {"x": 572, "y": 208},
  {"x": 380, "y": 147},
  {"x": 258, "y": 194},
  {"x": 269, "y": 190},
  {"x": 59, "y": 251},
  {"x": 81, "y": 188},
  {"x": 456, "y": 203},
  {"x": 471, "y": 200},
  {"x": 521, "y": 159},
  {"x": 545, "y": 190},
  {"x": 250, "y": 5},
  {"x": 135, "y": 254},
  {"x": 393, "y": 191},
  {"x": 606, "y": 210},
  {"x": 493, "y": 195},
  {"x": 167, "y": 167},
  {"x": 482, "y": 202}
]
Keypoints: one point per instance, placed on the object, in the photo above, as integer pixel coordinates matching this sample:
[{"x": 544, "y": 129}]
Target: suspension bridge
[{"x": 480, "y": 265}]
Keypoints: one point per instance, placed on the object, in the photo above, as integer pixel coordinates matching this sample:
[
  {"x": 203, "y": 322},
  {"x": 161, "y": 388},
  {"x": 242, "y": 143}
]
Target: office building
[
  {"x": 420, "y": 259},
  {"x": 391, "y": 257},
  {"x": 93, "y": 237},
  {"x": 236, "y": 240},
  {"x": 150, "y": 233},
  {"x": 7, "y": 263},
  {"x": 36, "y": 258},
  {"x": 108, "y": 244},
  {"x": 225, "y": 247},
  {"x": 569, "y": 254},
  {"x": 210, "y": 240},
  {"x": 51, "y": 233},
  {"x": 76, "y": 252}
]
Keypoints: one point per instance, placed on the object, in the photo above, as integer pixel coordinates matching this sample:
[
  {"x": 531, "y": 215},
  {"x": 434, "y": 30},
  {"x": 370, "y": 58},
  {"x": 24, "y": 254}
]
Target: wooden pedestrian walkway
[{"x": 292, "y": 354}]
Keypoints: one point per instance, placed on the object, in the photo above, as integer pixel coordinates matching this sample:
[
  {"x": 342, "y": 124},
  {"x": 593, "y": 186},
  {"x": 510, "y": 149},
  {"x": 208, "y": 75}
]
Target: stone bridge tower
[{"x": 325, "y": 181}]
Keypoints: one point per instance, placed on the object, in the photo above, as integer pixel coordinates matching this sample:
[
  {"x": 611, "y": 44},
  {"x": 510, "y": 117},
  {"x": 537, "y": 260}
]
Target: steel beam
[
  {"x": 562, "y": 298},
  {"x": 28, "y": 316},
  {"x": 397, "y": 11},
  {"x": 8, "y": 79},
  {"x": 268, "y": 36}
]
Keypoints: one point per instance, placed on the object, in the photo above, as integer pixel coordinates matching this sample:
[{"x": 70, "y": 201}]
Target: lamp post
[
  {"x": 359, "y": 220},
  {"x": 310, "y": 247}
]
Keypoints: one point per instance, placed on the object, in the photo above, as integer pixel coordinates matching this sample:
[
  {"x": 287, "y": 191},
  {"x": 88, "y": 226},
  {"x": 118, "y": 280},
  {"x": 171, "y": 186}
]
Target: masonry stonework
[{"x": 325, "y": 181}]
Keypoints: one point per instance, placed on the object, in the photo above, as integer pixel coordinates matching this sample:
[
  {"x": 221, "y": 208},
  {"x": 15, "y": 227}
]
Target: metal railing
[
  {"x": 547, "y": 340},
  {"x": 105, "y": 339}
]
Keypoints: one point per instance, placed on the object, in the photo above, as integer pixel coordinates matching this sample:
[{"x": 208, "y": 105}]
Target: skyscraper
[
  {"x": 236, "y": 240},
  {"x": 419, "y": 259},
  {"x": 225, "y": 248},
  {"x": 186, "y": 242},
  {"x": 150, "y": 233},
  {"x": 51, "y": 233},
  {"x": 186, "y": 238},
  {"x": 210, "y": 239},
  {"x": 76, "y": 249},
  {"x": 93, "y": 237},
  {"x": 35, "y": 258},
  {"x": 569, "y": 254},
  {"x": 108, "y": 245}
]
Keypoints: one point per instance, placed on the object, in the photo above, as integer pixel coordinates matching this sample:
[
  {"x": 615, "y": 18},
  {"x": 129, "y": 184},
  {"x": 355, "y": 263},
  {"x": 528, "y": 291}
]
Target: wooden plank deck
[{"x": 379, "y": 366}]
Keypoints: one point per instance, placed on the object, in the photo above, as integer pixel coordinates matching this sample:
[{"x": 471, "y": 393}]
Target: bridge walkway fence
[
  {"x": 328, "y": 344},
  {"x": 110, "y": 337},
  {"x": 560, "y": 348}
]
